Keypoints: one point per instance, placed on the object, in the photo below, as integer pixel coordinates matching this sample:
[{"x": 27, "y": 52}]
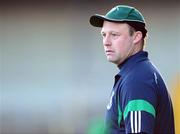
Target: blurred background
[{"x": 54, "y": 76}]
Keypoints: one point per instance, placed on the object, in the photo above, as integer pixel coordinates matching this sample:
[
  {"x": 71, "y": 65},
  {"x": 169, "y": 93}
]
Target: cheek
[{"x": 122, "y": 46}]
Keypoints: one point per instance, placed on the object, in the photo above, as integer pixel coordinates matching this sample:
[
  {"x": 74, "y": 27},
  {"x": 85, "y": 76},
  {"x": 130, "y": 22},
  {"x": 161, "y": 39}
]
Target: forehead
[{"x": 112, "y": 26}]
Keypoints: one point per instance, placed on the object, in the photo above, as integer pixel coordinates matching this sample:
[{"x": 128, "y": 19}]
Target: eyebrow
[{"x": 110, "y": 32}]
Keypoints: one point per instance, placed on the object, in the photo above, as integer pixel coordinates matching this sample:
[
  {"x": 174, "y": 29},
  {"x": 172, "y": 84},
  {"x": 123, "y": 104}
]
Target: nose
[{"x": 106, "y": 41}]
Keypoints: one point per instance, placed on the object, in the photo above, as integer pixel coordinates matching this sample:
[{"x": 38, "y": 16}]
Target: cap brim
[{"x": 97, "y": 20}]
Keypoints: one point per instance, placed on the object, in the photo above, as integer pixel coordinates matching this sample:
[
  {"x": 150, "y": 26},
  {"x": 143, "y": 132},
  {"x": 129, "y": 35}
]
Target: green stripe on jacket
[{"x": 139, "y": 105}]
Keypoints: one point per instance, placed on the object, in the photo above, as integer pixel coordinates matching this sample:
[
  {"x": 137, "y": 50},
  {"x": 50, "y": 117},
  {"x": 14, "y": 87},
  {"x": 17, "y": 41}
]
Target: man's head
[{"x": 123, "y": 31}]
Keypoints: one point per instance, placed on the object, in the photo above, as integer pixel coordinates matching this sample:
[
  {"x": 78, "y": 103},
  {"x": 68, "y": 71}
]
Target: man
[{"x": 139, "y": 101}]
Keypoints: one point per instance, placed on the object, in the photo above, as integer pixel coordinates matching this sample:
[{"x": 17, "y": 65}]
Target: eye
[
  {"x": 103, "y": 34},
  {"x": 115, "y": 35}
]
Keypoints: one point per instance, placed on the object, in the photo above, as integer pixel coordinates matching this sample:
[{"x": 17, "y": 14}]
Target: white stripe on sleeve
[
  {"x": 139, "y": 121},
  {"x": 135, "y": 122},
  {"x": 132, "y": 126}
]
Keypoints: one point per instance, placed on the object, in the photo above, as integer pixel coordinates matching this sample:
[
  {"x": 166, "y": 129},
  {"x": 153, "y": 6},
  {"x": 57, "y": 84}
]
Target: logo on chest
[{"x": 110, "y": 102}]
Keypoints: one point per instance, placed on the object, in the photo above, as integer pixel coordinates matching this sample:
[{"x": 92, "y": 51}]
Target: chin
[{"x": 112, "y": 61}]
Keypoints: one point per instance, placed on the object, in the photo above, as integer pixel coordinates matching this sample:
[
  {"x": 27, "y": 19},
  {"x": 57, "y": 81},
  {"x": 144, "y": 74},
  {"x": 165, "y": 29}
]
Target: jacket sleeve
[{"x": 138, "y": 103}]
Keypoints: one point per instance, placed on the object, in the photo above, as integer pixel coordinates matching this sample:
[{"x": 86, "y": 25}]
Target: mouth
[{"x": 109, "y": 52}]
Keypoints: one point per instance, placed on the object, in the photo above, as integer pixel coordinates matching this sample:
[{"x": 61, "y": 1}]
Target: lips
[{"x": 109, "y": 52}]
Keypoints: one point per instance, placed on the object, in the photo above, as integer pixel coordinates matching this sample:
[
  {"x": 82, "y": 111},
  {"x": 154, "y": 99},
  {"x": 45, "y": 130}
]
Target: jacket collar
[{"x": 130, "y": 62}]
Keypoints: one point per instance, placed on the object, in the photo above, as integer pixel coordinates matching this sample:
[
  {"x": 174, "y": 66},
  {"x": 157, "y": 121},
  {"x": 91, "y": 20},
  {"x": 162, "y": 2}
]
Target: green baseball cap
[{"x": 121, "y": 14}]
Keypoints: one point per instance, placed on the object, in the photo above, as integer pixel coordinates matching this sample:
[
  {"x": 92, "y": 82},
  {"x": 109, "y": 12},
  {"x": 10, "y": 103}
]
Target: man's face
[{"x": 117, "y": 42}]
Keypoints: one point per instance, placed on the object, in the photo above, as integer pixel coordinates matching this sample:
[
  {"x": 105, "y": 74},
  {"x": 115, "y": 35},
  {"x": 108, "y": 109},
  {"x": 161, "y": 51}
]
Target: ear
[{"x": 137, "y": 37}]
